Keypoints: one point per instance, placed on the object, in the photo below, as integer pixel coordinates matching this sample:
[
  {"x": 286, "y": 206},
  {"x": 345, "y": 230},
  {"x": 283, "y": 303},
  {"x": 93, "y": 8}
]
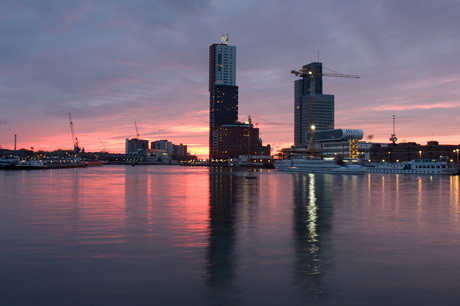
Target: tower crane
[
  {"x": 137, "y": 132},
  {"x": 311, "y": 74},
  {"x": 106, "y": 151},
  {"x": 76, "y": 145}
]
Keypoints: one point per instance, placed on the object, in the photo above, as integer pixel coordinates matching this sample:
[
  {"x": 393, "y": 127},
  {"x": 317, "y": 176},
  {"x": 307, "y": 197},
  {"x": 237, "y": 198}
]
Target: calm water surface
[{"x": 167, "y": 235}]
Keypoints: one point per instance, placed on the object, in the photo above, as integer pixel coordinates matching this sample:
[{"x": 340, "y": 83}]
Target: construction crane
[
  {"x": 137, "y": 132},
  {"x": 264, "y": 122},
  {"x": 76, "y": 145},
  {"x": 311, "y": 74},
  {"x": 106, "y": 151}
]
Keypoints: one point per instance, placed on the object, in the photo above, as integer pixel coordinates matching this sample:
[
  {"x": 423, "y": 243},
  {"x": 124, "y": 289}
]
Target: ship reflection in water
[{"x": 166, "y": 235}]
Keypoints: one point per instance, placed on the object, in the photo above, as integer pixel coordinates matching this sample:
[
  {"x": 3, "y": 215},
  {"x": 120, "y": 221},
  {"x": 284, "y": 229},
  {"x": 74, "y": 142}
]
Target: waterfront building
[
  {"x": 163, "y": 145},
  {"x": 343, "y": 143},
  {"x": 136, "y": 146},
  {"x": 406, "y": 151},
  {"x": 180, "y": 150},
  {"x": 323, "y": 107},
  {"x": 223, "y": 92},
  {"x": 233, "y": 140}
]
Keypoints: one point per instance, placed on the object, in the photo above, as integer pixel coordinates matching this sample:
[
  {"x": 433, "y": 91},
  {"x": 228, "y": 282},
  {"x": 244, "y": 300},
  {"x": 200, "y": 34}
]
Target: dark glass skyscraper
[
  {"x": 323, "y": 107},
  {"x": 223, "y": 93}
]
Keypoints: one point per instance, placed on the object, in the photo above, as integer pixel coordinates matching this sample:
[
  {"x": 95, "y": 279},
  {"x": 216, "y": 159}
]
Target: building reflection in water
[
  {"x": 312, "y": 214},
  {"x": 221, "y": 257}
]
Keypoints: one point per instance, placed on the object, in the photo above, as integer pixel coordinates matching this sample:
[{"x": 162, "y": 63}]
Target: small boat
[
  {"x": 94, "y": 163},
  {"x": 250, "y": 175}
]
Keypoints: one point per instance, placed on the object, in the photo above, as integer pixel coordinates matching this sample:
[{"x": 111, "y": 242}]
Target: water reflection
[
  {"x": 221, "y": 255},
  {"x": 175, "y": 236},
  {"x": 312, "y": 213}
]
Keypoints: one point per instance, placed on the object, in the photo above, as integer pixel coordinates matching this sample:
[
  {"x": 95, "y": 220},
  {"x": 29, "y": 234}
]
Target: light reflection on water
[{"x": 169, "y": 235}]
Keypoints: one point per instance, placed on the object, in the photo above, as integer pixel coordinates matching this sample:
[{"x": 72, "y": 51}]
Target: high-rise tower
[
  {"x": 323, "y": 107},
  {"x": 223, "y": 93}
]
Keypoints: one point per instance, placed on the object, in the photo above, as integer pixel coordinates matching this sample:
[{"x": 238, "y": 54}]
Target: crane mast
[
  {"x": 106, "y": 151},
  {"x": 305, "y": 72},
  {"x": 76, "y": 145},
  {"x": 137, "y": 132}
]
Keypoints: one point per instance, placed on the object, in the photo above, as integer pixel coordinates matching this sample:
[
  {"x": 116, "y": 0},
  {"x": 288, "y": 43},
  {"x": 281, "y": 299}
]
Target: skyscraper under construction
[{"x": 319, "y": 114}]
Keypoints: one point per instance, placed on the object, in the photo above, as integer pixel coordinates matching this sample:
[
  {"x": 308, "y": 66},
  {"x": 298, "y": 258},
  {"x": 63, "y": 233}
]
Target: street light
[
  {"x": 456, "y": 150},
  {"x": 420, "y": 152}
]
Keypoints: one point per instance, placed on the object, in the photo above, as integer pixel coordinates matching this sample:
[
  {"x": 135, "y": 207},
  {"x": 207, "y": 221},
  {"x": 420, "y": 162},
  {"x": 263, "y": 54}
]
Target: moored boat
[
  {"x": 8, "y": 162},
  {"x": 317, "y": 165},
  {"x": 37, "y": 164},
  {"x": 250, "y": 174},
  {"x": 94, "y": 163},
  {"x": 416, "y": 166}
]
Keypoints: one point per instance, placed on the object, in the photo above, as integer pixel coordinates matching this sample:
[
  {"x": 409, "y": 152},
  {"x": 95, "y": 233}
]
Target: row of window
[{"x": 431, "y": 167}]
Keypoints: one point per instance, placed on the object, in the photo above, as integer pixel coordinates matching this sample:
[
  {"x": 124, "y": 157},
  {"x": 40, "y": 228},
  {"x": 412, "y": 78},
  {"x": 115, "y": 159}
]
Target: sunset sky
[{"x": 111, "y": 62}]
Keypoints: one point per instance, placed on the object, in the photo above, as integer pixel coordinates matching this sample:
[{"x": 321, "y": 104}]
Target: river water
[{"x": 169, "y": 235}]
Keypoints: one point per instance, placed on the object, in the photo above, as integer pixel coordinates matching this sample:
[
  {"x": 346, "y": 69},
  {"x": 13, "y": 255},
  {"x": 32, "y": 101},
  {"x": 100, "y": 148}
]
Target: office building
[
  {"x": 136, "y": 146},
  {"x": 233, "y": 140},
  {"x": 343, "y": 143},
  {"x": 163, "y": 145},
  {"x": 319, "y": 114},
  {"x": 223, "y": 92}
]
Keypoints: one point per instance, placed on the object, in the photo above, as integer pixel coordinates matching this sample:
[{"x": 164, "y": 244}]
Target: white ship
[
  {"x": 415, "y": 166},
  {"x": 326, "y": 165}
]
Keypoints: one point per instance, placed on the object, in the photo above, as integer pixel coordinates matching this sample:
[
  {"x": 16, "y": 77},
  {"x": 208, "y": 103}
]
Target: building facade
[
  {"x": 406, "y": 151},
  {"x": 311, "y": 110},
  {"x": 343, "y": 143},
  {"x": 136, "y": 146},
  {"x": 233, "y": 140},
  {"x": 223, "y": 92}
]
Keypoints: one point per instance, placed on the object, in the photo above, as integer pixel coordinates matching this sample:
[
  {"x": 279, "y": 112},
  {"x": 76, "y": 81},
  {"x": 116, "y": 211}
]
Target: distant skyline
[{"x": 110, "y": 63}]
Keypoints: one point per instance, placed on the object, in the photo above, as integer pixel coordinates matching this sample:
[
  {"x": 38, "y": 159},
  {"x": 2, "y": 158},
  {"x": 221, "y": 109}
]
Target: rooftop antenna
[
  {"x": 393, "y": 137},
  {"x": 318, "y": 55}
]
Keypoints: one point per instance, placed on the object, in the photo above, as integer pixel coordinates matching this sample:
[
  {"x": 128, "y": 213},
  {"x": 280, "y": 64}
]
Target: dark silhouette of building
[
  {"x": 406, "y": 151},
  {"x": 223, "y": 92},
  {"x": 136, "y": 146},
  {"x": 235, "y": 140},
  {"x": 323, "y": 107}
]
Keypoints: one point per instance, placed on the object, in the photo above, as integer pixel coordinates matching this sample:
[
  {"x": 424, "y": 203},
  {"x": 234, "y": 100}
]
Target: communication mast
[
  {"x": 76, "y": 145},
  {"x": 305, "y": 72},
  {"x": 393, "y": 137}
]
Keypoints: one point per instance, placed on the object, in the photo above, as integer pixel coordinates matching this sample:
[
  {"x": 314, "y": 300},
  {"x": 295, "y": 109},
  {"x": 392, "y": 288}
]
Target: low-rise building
[{"x": 406, "y": 151}]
